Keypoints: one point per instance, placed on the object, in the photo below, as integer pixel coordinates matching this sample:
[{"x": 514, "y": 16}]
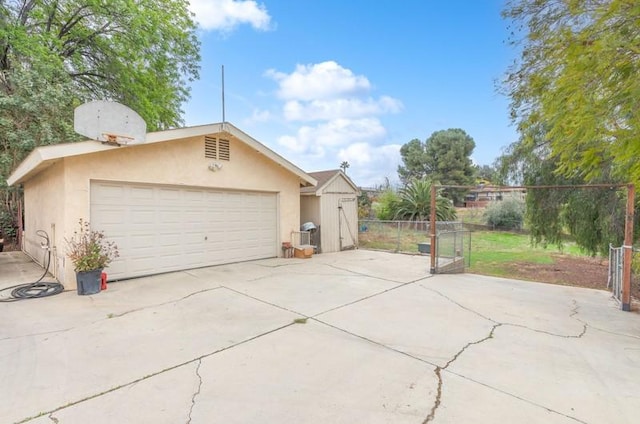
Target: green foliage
[
  {"x": 507, "y": 214},
  {"x": 364, "y": 206},
  {"x": 486, "y": 173},
  {"x": 594, "y": 217},
  {"x": 55, "y": 55},
  {"x": 140, "y": 53},
  {"x": 578, "y": 76},
  {"x": 89, "y": 250},
  {"x": 415, "y": 203},
  {"x": 386, "y": 205},
  {"x": 445, "y": 156}
]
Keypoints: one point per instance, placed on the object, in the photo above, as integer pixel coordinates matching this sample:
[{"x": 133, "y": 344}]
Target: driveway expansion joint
[
  {"x": 375, "y": 277},
  {"x": 197, "y": 392}
]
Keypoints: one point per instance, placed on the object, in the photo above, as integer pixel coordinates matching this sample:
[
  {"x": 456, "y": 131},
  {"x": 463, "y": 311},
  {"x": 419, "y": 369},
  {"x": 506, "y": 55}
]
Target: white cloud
[
  {"x": 225, "y": 15},
  {"x": 340, "y": 121},
  {"x": 326, "y": 80},
  {"x": 313, "y": 140},
  {"x": 258, "y": 115},
  {"x": 371, "y": 164},
  {"x": 317, "y": 110}
]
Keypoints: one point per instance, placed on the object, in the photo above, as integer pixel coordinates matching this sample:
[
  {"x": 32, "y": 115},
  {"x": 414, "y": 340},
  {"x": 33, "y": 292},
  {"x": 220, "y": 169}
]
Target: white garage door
[{"x": 168, "y": 228}]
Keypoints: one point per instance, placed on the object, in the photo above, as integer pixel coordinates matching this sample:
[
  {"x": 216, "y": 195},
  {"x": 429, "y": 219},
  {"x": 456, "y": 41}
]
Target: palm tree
[
  {"x": 415, "y": 203},
  {"x": 344, "y": 165}
]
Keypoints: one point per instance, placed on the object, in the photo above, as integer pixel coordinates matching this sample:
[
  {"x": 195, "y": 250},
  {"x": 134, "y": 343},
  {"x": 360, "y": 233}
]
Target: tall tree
[
  {"x": 344, "y": 165},
  {"x": 57, "y": 54},
  {"x": 578, "y": 75},
  {"x": 594, "y": 217},
  {"x": 445, "y": 156},
  {"x": 140, "y": 53},
  {"x": 486, "y": 173}
]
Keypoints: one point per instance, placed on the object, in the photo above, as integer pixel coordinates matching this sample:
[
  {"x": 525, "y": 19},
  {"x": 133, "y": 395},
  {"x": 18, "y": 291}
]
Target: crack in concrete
[
  {"x": 111, "y": 316},
  {"x": 155, "y": 305},
  {"x": 44, "y": 333},
  {"x": 52, "y": 418},
  {"x": 146, "y": 377},
  {"x": 572, "y": 314},
  {"x": 375, "y": 277},
  {"x": 328, "y": 310},
  {"x": 264, "y": 301},
  {"x": 439, "y": 369},
  {"x": 488, "y": 386},
  {"x": 197, "y": 392}
]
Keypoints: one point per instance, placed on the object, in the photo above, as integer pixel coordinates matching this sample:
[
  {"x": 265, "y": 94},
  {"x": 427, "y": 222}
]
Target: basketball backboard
[{"x": 109, "y": 122}]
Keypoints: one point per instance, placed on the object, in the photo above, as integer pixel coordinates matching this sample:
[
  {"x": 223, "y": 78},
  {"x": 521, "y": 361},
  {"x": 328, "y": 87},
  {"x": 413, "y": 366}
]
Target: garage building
[{"x": 185, "y": 198}]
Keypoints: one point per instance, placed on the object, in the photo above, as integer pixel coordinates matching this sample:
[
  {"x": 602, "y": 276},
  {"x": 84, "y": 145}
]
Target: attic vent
[
  {"x": 216, "y": 148},
  {"x": 223, "y": 149}
]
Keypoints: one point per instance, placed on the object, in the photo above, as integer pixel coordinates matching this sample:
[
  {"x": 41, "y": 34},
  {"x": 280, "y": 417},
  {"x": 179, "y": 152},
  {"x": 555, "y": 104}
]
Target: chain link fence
[{"x": 399, "y": 236}]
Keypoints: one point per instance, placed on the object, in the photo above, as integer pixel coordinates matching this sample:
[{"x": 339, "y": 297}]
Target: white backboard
[{"x": 109, "y": 122}]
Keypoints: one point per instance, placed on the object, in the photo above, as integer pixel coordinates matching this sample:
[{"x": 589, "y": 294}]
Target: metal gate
[
  {"x": 616, "y": 262},
  {"x": 453, "y": 251}
]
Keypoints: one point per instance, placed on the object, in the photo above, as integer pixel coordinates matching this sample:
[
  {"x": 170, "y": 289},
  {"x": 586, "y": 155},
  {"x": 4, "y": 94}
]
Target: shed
[
  {"x": 185, "y": 198},
  {"x": 332, "y": 206}
]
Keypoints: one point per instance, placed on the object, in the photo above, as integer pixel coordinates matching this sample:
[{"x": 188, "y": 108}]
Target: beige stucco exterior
[{"x": 57, "y": 196}]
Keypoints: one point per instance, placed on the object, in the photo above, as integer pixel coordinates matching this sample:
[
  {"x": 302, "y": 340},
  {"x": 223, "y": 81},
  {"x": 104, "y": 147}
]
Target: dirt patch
[{"x": 570, "y": 271}]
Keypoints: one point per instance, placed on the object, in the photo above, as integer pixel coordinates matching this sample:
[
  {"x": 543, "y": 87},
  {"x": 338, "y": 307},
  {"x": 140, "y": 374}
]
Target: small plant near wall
[
  {"x": 89, "y": 250},
  {"x": 90, "y": 253}
]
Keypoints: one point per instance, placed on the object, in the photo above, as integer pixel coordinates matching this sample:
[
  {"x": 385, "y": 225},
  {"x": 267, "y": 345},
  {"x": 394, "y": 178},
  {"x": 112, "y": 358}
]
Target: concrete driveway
[{"x": 354, "y": 337}]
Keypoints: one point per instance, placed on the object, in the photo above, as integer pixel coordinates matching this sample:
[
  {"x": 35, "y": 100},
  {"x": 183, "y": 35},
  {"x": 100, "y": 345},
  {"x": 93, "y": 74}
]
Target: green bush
[
  {"x": 7, "y": 228},
  {"x": 508, "y": 214},
  {"x": 386, "y": 206}
]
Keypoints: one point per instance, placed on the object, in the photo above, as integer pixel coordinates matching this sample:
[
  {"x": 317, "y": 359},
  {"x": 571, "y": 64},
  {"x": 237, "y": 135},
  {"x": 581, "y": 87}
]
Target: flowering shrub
[{"x": 88, "y": 250}]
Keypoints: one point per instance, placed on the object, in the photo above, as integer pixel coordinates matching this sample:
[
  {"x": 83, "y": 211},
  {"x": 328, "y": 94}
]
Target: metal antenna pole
[{"x": 223, "y": 114}]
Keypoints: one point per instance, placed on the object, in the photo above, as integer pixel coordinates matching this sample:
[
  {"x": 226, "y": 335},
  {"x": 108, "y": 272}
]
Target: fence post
[
  {"x": 628, "y": 249},
  {"x": 398, "y": 236},
  {"x": 432, "y": 228}
]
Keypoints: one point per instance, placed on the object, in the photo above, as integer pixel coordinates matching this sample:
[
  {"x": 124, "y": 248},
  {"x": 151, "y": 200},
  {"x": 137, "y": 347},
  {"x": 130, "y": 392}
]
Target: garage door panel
[{"x": 166, "y": 228}]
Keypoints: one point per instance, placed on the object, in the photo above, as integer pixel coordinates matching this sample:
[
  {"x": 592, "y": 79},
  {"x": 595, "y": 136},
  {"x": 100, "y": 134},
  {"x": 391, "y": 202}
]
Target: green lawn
[{"x": 492, "y": 252}]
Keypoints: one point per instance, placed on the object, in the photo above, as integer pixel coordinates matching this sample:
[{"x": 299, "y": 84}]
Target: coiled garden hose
[{"x": 38, "y": 288}]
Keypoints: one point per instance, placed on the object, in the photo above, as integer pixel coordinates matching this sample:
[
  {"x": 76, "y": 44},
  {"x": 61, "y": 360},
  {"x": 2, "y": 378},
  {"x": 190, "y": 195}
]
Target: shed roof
[
  {"x": 44, "y": 156},
  {"x": 325, "y": 178}
]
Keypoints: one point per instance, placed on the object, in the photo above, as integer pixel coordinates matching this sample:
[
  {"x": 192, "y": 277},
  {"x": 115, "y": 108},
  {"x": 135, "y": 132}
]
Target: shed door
[
  {"x": 169, "y": 228},
  {"x": 348, "y": 223}
]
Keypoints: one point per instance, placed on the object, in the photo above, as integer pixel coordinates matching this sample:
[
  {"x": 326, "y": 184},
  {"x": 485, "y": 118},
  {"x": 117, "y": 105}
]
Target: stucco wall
[
  {"x": 45, "y": 210},
  {"x": 310, "y": 209},
  {"x": 180, "y": 162}
]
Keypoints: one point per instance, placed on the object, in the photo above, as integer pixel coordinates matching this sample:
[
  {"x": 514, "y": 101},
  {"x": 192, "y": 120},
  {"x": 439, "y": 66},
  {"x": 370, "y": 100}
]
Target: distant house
[
  {"x": 484, "y": 195},
  {"x": 332, "y": 206}
]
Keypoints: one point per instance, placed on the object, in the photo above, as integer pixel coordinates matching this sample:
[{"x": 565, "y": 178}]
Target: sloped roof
[
  {"x": 44, "y": 156},
  {"x": 325, "y": 178}
]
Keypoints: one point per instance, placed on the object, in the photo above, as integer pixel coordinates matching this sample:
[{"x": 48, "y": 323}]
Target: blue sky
[{"x": 320, "y": 82}]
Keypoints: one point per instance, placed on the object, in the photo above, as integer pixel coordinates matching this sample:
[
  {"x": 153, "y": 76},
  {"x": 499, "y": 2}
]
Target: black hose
[{"x": 38, "y": 288}]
